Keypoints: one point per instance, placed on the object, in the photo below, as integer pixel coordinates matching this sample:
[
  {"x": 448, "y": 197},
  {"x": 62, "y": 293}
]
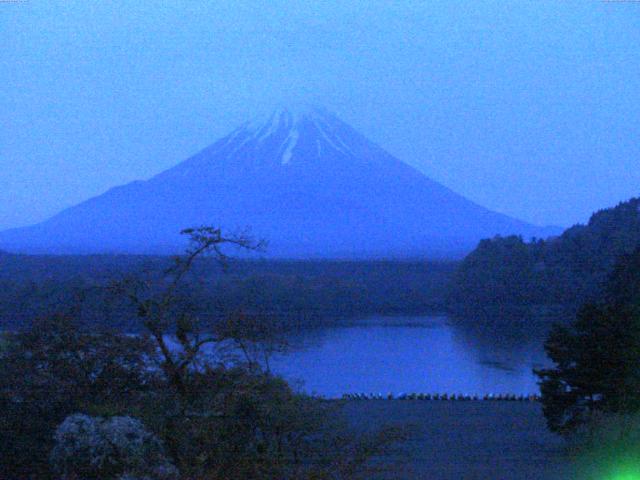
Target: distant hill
[
  {"x": 306, "y": 182},
  {"x": 298, "y": 292},
  {"x": 569, "y": 269}
]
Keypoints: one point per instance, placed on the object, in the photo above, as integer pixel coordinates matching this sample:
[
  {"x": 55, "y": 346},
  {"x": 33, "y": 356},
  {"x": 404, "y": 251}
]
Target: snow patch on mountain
[
  {"x": 292, "y": 121},
  {"x": 290, "y": 143},
  {"x": 333, "y": 140}
]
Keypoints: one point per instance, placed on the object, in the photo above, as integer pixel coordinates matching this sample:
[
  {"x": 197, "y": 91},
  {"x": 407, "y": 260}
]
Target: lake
[{"x": 428, "y": 354}]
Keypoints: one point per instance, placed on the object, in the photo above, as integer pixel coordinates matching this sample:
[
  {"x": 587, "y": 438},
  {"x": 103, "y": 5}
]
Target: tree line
[
  {"x": 305, "y": 292},
  {"x": 567, "y": 270}
]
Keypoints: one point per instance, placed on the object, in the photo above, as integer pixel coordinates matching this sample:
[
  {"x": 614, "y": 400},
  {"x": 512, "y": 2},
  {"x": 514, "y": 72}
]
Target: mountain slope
[
  {"x": 309, "y": 184},
  {"x": 566, "y": 270}
]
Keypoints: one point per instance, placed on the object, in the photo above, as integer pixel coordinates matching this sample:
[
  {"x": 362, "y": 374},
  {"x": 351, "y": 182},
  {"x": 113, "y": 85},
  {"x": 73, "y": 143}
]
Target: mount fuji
[{"x": 306, "y": 182}]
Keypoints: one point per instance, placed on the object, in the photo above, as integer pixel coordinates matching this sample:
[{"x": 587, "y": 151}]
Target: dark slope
[{"x": 569, "y": 269}]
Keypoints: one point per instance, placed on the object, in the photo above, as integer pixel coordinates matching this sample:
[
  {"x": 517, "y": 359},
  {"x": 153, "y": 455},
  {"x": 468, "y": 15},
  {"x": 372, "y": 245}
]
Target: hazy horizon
[{"x": 527, "y": 109}]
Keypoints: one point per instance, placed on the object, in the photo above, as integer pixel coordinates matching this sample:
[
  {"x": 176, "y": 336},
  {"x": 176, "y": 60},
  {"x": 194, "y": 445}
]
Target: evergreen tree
[{"x": 597, "y": 358}]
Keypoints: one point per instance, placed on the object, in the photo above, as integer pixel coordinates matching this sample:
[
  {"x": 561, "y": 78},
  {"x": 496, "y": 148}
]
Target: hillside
[{"x": 567, "y": 270}]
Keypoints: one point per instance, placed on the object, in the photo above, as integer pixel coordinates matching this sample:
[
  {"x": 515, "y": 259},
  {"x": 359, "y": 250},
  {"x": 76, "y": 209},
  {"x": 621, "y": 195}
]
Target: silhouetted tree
[
  {"x": 225, "y": 421},
  {"x": 597, "y": 357},
  {"x": 163, "y": 311}
]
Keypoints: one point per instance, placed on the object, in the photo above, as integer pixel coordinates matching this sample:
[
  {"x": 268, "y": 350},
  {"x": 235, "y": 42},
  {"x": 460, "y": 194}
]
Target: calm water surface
[{"x": 413, "y": 354}]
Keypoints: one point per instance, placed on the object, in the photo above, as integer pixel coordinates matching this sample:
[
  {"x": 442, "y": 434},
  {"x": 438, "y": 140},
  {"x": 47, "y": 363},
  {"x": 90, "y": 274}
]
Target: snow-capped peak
[
  {"x": 288, "y": 124},
  {"x": 284, "y": 116}
]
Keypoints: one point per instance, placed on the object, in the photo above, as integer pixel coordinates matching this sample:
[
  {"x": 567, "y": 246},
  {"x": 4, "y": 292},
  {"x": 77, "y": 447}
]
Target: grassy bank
[{"x": 468, "y": 440}]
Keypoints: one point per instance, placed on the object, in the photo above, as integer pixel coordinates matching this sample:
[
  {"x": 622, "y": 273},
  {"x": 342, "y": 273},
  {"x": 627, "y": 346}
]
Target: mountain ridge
[{"x": 307, "y": 182}]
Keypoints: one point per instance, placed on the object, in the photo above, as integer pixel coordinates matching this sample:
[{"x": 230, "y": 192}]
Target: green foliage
[{"x": 570, "y": 269}]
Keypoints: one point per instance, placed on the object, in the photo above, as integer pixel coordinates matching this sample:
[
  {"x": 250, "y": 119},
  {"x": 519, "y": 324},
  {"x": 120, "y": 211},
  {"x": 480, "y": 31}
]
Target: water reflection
[{"x": 418, "y": 354}]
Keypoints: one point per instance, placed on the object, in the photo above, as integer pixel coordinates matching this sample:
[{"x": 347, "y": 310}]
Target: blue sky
[{"x": 530, "y": 108}]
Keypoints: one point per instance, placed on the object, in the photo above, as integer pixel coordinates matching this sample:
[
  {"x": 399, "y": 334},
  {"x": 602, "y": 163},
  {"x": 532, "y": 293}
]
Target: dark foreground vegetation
[
  {"x": 85, "y": 403},
  {"x": 597, "y": 357},
  {"x": 591, "y": 394},
  {"x": 569, "y": 270},
  {"x": 190, "y": 396},
  {"x": 307, "y": 292},
  {"x": 80, "y": 405}
]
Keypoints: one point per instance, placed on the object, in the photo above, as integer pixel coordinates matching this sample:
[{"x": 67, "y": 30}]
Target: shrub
[{"x": 119, "y": 447}]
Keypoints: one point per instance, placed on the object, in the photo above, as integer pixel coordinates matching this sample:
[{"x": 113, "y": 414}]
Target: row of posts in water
[{"x": 490, "y": 397}]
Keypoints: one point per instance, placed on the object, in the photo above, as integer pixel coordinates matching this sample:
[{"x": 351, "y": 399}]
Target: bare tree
[{"x": 158, "y": 305}]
